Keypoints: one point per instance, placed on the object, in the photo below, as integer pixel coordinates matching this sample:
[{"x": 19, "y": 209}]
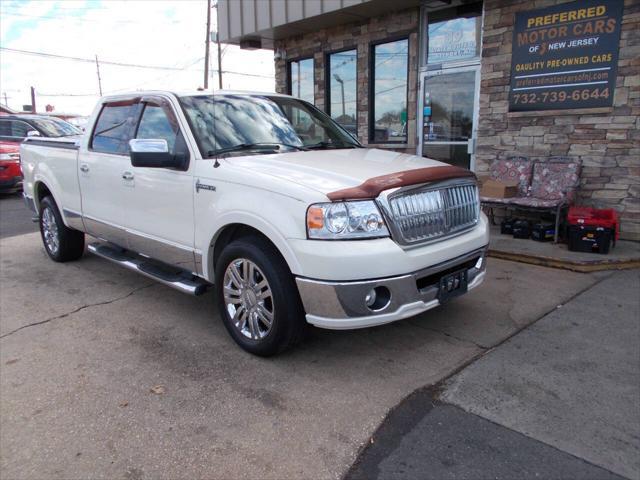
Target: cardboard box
[
  {"x": 499, "y": 189},
  {"x": 482, "y": 179}
]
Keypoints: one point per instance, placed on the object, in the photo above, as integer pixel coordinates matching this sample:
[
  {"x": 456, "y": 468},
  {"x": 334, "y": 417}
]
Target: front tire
[
  {"x": 257, "y": 297},
  {"x": 62, "y": 244}
]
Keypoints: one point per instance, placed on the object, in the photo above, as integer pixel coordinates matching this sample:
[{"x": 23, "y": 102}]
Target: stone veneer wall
[
  {"x": 606, "y": 140},
  {"x": 356, "y": 35}
]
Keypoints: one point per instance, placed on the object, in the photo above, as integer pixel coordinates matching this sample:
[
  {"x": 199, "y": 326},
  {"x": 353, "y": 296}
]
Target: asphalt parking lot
[
  {"x": 105, "y": 374},
  {"x": 15, "y": 218}
]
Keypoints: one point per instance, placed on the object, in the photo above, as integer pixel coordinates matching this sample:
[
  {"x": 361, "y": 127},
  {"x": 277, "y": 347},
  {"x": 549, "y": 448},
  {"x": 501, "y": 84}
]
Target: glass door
[{"x": 449, "y": 105}]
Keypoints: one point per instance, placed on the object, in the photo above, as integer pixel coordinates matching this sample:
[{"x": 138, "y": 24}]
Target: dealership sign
[{"x": 565, "y": 56}]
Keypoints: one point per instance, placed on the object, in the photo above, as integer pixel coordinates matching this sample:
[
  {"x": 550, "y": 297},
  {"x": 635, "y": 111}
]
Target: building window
[
  {"x": 342, "y": 91},
  {"x": 301, "y": 79},
  {"x": 451, "y": 35},
  {"x": 454, "y": 40},
  {"x": 390, "y": 77}
]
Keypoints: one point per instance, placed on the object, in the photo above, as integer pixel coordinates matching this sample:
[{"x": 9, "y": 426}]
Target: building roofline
[{"x": 299, "y": 17}]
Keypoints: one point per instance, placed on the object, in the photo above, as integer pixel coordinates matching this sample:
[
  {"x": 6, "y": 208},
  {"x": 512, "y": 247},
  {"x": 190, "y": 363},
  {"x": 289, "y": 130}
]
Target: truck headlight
[{"x": 345, "y": 221}]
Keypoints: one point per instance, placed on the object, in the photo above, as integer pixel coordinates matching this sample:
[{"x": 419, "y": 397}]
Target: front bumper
[{"x": 341, "y": 305}]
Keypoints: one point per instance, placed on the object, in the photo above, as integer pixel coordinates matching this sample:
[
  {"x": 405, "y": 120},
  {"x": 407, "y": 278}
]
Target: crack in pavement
[
  {"x": 518, "y": 327},
  {"x": 83, "y": 307},
  {"x": 446, "y": 334}
]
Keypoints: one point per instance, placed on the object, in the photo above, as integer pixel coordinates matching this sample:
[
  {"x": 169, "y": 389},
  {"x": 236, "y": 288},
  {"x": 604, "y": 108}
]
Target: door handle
[
  {"x": 127, "y": 176},
  {"x": 84, "y": 168}
]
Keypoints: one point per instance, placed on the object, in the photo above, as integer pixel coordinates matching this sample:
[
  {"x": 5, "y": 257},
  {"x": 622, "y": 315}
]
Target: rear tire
[
  {"x": 62, "y": 244},
  {"x": 257, "y": 297}
]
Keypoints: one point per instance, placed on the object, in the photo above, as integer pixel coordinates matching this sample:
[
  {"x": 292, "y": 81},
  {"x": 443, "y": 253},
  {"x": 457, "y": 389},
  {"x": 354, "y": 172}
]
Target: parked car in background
[
  {"x": 79, "y": 122},
  {"x": 10, "y": 173},
  {"x": 15, "y": 128},
  {"x": 266, "y": 198}
]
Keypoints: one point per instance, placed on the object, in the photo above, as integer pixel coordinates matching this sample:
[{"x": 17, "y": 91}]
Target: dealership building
[{"x": 469, "y": 83}]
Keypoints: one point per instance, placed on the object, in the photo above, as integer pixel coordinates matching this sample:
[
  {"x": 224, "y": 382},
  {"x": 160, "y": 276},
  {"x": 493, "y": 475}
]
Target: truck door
[
  {"x": 106, "y": 196},
  {"x": 160, "y": 219}
]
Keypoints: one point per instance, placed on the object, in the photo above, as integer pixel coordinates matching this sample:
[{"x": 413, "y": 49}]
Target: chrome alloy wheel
[
  {"x": 50, "y": 231},
  {"x": 248, "y": 299}
]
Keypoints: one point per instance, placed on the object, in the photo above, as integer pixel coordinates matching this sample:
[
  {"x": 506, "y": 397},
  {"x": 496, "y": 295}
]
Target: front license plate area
[{"x": 452, "y": 285}]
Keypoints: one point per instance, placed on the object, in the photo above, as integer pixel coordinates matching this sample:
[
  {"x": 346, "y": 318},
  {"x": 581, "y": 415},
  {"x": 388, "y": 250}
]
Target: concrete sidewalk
[
  {"x": 560, "y": 399},
  {"x": 572, "y": 380},
  {"x": 622, "y": 255}
]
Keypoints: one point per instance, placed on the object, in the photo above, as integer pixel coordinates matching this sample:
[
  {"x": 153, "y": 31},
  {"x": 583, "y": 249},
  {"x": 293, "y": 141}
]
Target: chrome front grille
[{"x": 430, "y": 212}]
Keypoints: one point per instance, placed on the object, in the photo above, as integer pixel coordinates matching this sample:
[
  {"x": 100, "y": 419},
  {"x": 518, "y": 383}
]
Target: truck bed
[{"x": 55, "y": 159}]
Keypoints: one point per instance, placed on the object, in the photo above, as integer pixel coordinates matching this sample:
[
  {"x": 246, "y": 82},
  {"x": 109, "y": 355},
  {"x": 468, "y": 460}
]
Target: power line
[
  {"x": 68, "y": 94},
  {"x": 184, "y": 68},
  {"x": 60, "y": 8},
  {"x": 86, "y": 60},
  {"x": 120, "y": 64},
  {"x": 258, "y": 75},
  {"x": 392, "y": 88},
  {"x": 81, "y": 20},
  {"x": 127, "y": 89}
]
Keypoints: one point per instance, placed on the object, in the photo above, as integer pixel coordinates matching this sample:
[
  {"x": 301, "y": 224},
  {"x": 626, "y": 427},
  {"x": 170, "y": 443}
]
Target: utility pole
[
  {"x": 219, "y": 62},
  {"x": 206, "y": 46},
  {"x": 98, "y": 72},
  {"x": 33, "y": 100},
  {"x": 341, "y": 82},
  {"x": 218, "y": 42},
  {"x": 5, "y": 99}
]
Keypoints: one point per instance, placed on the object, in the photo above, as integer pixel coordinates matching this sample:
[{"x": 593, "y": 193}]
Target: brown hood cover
[{"x": 372, "y": 187}]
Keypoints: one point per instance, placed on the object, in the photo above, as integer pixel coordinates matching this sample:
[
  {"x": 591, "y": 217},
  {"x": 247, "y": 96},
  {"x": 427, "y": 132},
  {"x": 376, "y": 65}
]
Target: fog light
[
  {"x": 370, "y": 298},
  {"x": 378, "y": 299},
  {"x": 479, "y": 263}
]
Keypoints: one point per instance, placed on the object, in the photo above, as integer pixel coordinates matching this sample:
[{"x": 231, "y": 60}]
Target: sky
[{"x": 165, "y": 38}]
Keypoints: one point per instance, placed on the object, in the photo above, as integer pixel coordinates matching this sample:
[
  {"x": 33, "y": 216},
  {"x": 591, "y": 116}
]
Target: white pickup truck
[{"x": 266, "y": 198}]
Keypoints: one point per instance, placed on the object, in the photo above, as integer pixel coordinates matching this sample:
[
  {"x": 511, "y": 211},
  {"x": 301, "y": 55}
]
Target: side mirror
[
  {"x": 152, "y": 153},
  {"x": 33, "y": 133}
]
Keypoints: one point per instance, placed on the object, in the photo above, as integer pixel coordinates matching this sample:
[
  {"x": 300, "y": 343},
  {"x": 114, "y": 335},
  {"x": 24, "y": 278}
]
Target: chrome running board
[{"x": 168, "y": 275}]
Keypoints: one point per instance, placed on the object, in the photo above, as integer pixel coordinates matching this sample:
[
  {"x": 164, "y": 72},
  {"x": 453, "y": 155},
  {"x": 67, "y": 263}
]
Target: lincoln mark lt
[{"x": 266, "y": 199}]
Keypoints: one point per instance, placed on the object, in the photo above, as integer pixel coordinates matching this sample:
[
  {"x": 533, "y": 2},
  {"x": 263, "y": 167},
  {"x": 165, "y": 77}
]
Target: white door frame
[{"x": 471, "y": 143}]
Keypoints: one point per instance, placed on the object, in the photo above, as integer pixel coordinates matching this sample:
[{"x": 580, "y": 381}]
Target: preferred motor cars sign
[{"x": 565, "y": 56}]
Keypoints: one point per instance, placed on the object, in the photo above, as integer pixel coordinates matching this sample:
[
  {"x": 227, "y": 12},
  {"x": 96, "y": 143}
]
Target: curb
[{"x": 582, "y": 267}]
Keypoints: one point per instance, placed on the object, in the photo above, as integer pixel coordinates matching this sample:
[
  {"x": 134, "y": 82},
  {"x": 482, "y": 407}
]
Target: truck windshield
[
  {"x": 224, "y": 122},
  {"x": 54, "y": 127}
]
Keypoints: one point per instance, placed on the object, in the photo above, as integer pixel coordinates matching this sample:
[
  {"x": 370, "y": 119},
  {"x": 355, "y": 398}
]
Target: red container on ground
[{"x": 593, "y": 217}]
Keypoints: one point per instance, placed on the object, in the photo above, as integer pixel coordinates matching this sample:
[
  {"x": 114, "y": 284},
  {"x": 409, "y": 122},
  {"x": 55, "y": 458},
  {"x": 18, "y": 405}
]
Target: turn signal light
[{"x": 315, "y": 218}]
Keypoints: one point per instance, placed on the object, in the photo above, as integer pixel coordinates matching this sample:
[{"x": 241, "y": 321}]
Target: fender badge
[{"x": 204, "y": 186}]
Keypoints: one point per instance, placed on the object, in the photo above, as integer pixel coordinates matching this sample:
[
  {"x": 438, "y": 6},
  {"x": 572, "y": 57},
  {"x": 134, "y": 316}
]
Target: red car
[
  {"x": 10, "y": 172},
  {"x": 14, "y": 128}
]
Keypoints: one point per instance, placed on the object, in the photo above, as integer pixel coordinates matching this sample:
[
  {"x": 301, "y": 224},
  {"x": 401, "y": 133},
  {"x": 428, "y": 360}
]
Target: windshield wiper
[
  {"x": 323, "y": 144},
  {"x": 253, "y": 146}
]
